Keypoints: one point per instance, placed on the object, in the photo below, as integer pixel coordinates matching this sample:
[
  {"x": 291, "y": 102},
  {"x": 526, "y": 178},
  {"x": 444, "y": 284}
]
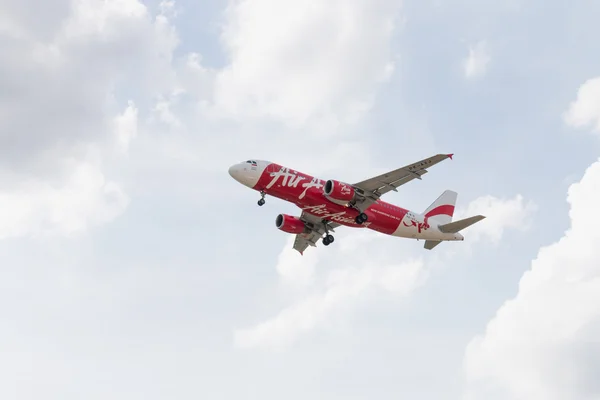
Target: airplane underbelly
[
  {"x": 313, "y": 202},
  {"x": 383, "y": 223},
  {"x": 325, "y": 209}
]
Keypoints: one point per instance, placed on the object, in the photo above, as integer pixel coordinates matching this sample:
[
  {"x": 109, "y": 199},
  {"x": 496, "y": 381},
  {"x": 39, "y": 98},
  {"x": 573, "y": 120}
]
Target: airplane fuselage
[{"x": 307, "y": 192}]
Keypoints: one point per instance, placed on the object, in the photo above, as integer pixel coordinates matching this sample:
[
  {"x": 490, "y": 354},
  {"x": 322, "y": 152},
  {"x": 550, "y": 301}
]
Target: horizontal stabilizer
[
  {"x": 430, "y": 244},
  {"x": 457, "y": 226}
]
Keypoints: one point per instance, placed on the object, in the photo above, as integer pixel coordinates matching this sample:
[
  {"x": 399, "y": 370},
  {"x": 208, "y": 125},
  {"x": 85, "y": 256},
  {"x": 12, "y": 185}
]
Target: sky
[{"x": 133, "y": 267}]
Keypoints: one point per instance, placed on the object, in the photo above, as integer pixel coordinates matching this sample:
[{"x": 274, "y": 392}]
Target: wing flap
[
  {"x": 304, "y": 240},
  {"x": 317, "y": 227}
]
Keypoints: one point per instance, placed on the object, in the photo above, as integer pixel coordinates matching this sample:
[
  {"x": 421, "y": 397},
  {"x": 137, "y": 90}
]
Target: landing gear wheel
[
  {"x": 327, "y": 240},
  {"x": 361, "y": 218},
  {"x": 261, "y": 202}
]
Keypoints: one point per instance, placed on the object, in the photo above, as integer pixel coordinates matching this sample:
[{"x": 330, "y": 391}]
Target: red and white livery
[{"x": 328, "y": 204}]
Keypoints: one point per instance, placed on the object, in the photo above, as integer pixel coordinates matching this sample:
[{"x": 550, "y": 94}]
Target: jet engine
[
  {"x": 338, "y": 192},
  {"x": 290, "y": 224}
]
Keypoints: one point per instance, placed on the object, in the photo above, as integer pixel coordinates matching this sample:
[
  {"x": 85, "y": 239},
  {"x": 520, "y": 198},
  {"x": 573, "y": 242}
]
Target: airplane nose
[
  {"x": 245, "y": 174},
  {"x": 233, "y": 171}
]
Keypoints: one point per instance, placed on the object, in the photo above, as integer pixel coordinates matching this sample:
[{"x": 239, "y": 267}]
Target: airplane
[{"x": 328, "y": 204}]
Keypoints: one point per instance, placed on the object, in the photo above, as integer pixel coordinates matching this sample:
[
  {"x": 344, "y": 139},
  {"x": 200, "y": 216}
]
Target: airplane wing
[
  {"x": 317, "y": 227},
  {"x": 372, "y": 189},
  {"x": 304, "y": 240}
]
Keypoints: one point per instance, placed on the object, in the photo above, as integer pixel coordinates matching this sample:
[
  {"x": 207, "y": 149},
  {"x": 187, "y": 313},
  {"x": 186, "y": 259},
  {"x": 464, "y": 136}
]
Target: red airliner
[{"x": 327, "y": 205}]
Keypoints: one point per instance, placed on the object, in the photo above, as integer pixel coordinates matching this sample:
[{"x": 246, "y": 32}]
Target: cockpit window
[{"x": 251, "y": 162}]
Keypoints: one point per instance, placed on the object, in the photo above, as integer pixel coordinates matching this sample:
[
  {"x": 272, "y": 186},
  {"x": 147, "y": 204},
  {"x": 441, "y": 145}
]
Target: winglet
[{"x": 450, "y": 155}]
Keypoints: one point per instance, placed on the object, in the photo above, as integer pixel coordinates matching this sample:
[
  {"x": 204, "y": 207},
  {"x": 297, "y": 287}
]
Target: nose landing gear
[{"x": 261, "y": 202}]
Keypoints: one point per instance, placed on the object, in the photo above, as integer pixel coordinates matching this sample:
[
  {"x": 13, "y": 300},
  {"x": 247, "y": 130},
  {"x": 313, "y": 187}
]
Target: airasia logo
[
  {"x": 314, "y": 183},
  {"x": 290, "y": 179},
  {"x": 421, "y": 226},
  {"x": 323, "y": 212},
  {"x": 344, "y": 189}
]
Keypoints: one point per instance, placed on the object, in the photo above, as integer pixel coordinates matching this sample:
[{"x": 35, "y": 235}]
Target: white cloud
[
  {"x": 543, "y": 343},
  {"x": 500, "y": 213},
  {"x": 363, "y": 272},
  {"x": 295, "y": 269},
  {"x": 281, "y": 73},
  {"x": 126, "y": 127},
  {"x": 95, "y": 18},
  {"x": 476, "y": 63},
  {"x": 57, "y": 107},
  {"x": 341, "y": 287},
  {"x": 585, "y": 110},
  {"x": 309, "y": 60},
  {"x": 84, "y": 200}
]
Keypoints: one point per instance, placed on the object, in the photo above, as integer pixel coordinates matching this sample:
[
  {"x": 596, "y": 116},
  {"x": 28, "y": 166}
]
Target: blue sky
[{"x": 133, "y": 266}]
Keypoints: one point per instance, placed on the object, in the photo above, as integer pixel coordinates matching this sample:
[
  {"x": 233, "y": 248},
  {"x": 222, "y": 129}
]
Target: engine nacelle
[
  {"x": 290, "y": 224},
  {"x": 338, "y": 192}
]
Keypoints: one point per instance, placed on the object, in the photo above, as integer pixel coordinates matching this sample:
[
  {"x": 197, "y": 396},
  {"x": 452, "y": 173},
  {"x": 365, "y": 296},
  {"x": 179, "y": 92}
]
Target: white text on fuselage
[
  {"x": 314, "y": 183},
  {"x": 292, "y": 179},
  {"x": 374, "y": 210},
  {"x": 289, "y": 179},
  {"x": 321, "y": 211}
]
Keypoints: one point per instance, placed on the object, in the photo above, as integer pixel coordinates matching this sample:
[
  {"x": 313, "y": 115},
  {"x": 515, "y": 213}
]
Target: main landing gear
[
  {"x": 361, "y": 218},
  {"x": 261, "y": 202},
  {"x": 328, "y": 239}
]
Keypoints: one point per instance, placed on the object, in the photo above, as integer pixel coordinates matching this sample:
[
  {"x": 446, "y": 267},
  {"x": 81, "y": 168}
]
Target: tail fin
[
  {"x": 454, "y": 227},
  {"x": 442, "y": 209}
]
